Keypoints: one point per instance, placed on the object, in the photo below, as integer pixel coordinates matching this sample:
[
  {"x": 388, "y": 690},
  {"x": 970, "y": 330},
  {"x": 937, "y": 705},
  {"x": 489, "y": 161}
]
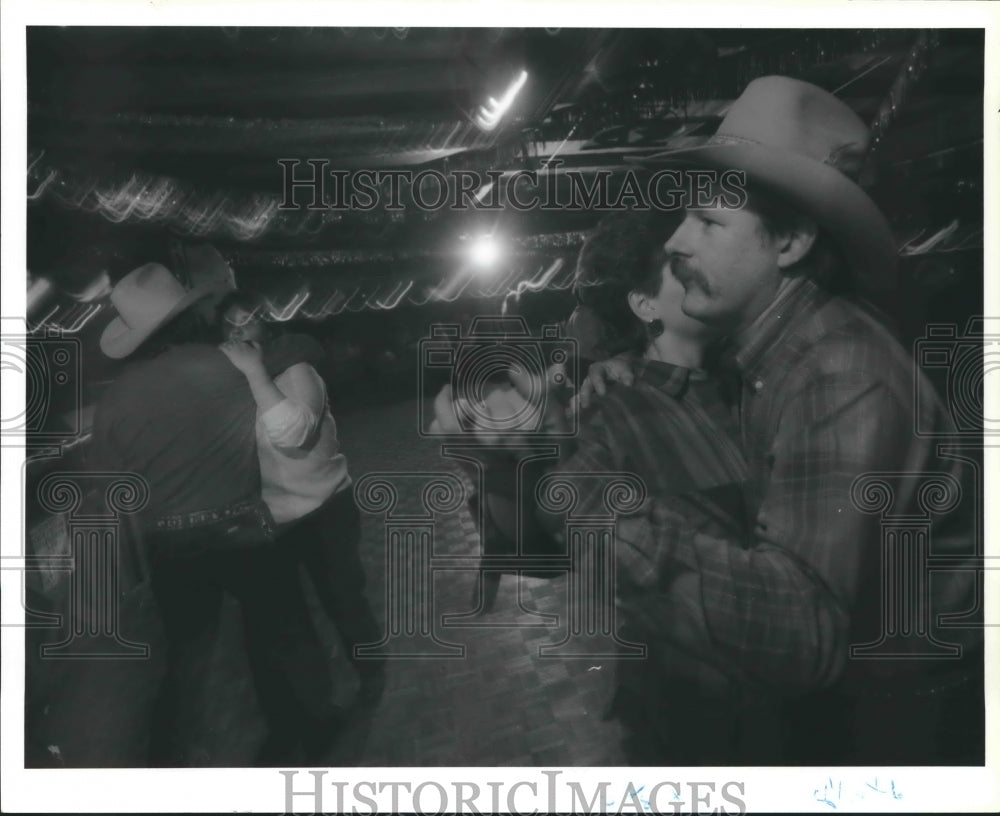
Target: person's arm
[
  {"x": 778, "y": 605},
  {"x": 293, "y": 422},
  {"x": 290, "y": 420},
  {"x": 617, "y": 369},
  {"x": 249, "y": 359}
]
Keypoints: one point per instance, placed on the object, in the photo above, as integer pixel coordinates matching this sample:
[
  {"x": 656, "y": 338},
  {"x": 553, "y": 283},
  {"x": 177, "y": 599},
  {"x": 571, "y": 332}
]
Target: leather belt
[{"x": 202, "y": 518}]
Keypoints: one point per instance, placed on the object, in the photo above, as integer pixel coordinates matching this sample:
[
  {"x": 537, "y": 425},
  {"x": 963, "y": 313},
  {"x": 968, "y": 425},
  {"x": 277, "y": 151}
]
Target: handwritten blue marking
[{"x": 835, "y": 792}]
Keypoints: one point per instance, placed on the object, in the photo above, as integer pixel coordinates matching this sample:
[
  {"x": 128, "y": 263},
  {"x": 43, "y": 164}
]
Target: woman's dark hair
[
  {"x": 538, "y": 307},
  {"x": 245, "y": 300},
  {"x": 624, "y": 253},
  {"x": 249, "y": 302}
]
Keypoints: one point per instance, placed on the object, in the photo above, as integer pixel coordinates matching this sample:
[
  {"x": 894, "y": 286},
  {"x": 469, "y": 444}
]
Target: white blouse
[{"x": 301, "y": 465}]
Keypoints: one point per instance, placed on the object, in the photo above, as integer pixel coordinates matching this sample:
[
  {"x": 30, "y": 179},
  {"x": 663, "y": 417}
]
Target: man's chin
[{"x": 696, "y": 304}]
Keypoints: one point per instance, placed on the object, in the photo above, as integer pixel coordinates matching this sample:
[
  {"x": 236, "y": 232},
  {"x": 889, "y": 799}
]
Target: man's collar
[{"x": 749, "y": 347}]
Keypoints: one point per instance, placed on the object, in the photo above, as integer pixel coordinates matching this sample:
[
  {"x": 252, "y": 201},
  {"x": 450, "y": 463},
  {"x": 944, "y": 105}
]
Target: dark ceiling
[{"x": 139, "y": 137}]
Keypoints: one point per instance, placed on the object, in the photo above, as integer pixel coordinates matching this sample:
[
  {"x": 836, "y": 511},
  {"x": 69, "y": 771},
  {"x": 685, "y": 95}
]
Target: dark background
[{"x": 202, "y": 115}]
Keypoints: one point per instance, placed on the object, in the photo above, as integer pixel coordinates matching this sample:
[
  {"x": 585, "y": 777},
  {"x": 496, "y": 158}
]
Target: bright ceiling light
[
  {"x": 490, "y": 114},
  {"x": 484, "y": 251}
]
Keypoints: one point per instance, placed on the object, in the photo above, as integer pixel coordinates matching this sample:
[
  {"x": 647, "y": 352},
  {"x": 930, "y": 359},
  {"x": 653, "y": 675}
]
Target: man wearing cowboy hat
[
  {"x": 824, "y": 398},
  {"x": 182, "y": 417}
]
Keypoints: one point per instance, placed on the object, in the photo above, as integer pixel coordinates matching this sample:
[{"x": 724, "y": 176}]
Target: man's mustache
[{"x": 687, "y": 274}]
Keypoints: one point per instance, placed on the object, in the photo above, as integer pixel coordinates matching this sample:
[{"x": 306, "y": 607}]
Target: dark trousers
[
  {"x": 288, "y": 665},
  {"x": 327, "y": 543}
]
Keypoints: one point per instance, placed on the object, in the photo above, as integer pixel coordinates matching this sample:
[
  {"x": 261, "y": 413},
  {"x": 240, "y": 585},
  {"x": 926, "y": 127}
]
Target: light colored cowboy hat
[
  {"x": 146, "y": 299},
  {"x": 805, "y": 145}
]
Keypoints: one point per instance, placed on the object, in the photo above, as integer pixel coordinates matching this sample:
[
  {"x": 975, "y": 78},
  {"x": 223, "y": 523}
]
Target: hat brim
[
  {"x": 836, "y": 203},
  {"x": 118, "y": 340}
]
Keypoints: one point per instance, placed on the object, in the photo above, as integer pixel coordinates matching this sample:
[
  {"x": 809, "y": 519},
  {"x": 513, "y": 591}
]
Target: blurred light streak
[
  {"x": 156, "y": 198},
  {"x": 34, "y": 161},
  {"x": 288, "y": 311},
  {"x": 341, "y": 303},
  {"x": 556, "y": 152},
  {"x": 43, "y": 184},
  {"x": 325, "y": 309},
  {"x": 386, "y": 305},
  {"x": 360, "y": 307},
  {"x": 253, "y": 223},
  {"x": 79, "y": 321},
  {"x": 450, "y": 291},
  {"x": 501, "y": 287},
  {"x": 447, "y": 141},
  {"x": 489, "y": 115},
  {"x": 548, "y": 274},
  {"x": 421, "y": 300},
  {"x": 45, "y": 322},
  {"x": 144, "y": 200},
  {"x": 483, "y": 192}
]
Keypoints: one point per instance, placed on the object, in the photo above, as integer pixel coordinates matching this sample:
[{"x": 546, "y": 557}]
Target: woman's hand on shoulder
[
  {"x": 617, "y": 369},
  {"x": 247, "y": 357}
]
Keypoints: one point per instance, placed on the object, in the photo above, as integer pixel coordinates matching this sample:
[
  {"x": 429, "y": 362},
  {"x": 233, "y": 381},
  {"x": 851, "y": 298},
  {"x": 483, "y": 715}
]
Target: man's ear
[{"x": 795, "y": 244}]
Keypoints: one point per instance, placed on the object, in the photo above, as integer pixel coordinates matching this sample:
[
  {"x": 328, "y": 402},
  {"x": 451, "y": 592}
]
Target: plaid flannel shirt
[
  {"x": 827, "y": 395},
  {"x": 673, "y": 431}
]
